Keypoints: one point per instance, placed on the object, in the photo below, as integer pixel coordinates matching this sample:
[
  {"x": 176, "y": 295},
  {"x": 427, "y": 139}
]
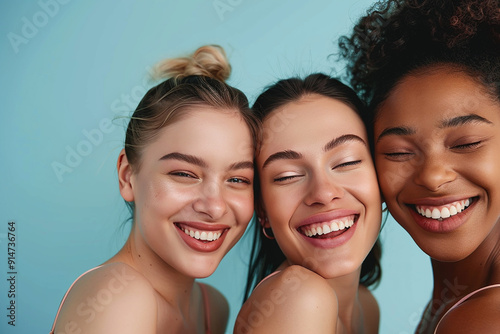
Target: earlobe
[
  {"x": 124, "y": 175},
  {"x": 261, "y": 214}
]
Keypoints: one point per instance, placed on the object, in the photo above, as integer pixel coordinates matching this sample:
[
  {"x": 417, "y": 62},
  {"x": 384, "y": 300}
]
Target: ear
[
  {"x": 124, "y": 176},
  {"x": 260, "y": 211}
]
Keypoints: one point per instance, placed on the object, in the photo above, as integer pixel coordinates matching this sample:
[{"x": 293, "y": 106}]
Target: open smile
[
  {"x": 200, "y": 234},
  {"x": 445, "y": 211},
  {"x": 444, "y": 217},
  {"x": 328, "y": 229},
  {"x": 202, "y": 237},
  {"x": 329, "y": 232}
]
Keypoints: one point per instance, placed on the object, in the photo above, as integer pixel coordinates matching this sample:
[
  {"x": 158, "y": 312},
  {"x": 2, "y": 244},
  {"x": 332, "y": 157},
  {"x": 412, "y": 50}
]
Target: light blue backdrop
[{"x": 70, "y": 69}]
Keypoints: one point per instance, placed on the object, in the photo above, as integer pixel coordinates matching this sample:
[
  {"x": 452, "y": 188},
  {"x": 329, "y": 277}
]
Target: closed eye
[
  {"x": 183, "y": 174},
  {"x": 467, "y": 146},
  {"x": 286, "y": 178},
  {"x": 398, "y": 156},
  {"x": 347, "y": 164}
]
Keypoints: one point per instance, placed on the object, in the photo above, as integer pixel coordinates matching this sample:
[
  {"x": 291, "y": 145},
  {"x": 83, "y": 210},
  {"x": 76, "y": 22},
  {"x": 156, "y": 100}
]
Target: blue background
[{"x": 73, "y": 69}]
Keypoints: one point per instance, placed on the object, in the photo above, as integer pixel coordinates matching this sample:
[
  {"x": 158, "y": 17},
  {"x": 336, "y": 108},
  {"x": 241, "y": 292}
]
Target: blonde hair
[
  {"x": 193, "y": 81},
  {"x": 208, "y": 60}
]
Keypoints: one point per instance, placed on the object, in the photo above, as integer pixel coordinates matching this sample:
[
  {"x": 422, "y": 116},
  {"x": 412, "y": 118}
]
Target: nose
[
  {"x": 434, "y": 173},
  {"x": 322, "y": 190},
  {"x": 211, "y": 201}
]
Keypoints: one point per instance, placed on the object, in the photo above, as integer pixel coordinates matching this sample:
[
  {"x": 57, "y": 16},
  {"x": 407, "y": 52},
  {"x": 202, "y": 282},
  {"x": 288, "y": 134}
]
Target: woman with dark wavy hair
[
  {"x": 319, "y": 209},
  {"x": 430, "y": 72}
]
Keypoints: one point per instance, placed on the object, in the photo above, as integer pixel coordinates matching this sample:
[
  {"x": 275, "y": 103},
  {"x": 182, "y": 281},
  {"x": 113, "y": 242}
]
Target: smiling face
[
  {"x": 437, "y": 143},
  {"x": 318, "y": 185},
  {"x": 193, "y": 191}
]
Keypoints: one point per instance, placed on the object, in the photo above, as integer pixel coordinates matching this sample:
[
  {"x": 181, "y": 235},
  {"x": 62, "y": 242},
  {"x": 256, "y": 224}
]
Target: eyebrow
[
  {"x": 342, "y": 140},
  {"x": 462, "y": 120},
  {"x": 447, "y": 123},
  {"x": 396, "y": 131},
  {"x": 282, "y": 155},
  {"x": 185, "y": 157},
  {"x": 292, "y": 155},
  {"x": 242, "y": 165},
  {"x": 201, "y": 163}
]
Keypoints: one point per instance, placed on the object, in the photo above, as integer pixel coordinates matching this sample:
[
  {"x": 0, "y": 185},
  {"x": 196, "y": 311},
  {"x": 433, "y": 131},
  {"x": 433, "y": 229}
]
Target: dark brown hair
[{"x": 266, "y": 256}]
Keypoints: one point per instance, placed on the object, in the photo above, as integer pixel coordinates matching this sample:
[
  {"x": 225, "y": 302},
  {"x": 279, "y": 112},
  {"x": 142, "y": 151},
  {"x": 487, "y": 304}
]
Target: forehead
[
  {"x": 435, "y": 95},
  {"x": 202, "y": 129},
  {"x": 312, "y": 119}
]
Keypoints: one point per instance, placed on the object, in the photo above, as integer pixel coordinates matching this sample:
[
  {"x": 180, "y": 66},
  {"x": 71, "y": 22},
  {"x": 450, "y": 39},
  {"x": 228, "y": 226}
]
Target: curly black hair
[{"x": 398, "y": 37}]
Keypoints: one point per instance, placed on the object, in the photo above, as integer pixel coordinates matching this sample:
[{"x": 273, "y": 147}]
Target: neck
[
  {"x": 175, "y": 288},
  {"x": 453, "y": 280},
  {"x": 350, "y": 312}
]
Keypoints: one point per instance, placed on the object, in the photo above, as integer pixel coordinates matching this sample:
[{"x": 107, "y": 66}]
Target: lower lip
[
  {"x": 202, "y": 246},
  {"x": 445, "y": 225},
  {"x": 332, "y": 242}
]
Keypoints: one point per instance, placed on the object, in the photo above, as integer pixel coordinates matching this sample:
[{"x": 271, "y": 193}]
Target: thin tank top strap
[
  {"x": 464, "y": 299},
  {"x": 268, "y": 276},
  {"x": 66, "y": 295},
  {"x": 206, "y": 304}
]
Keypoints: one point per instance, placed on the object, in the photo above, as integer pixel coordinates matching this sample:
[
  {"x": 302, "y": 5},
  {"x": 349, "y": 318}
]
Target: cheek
[
  {"x": 364, "y": 186},
  {"x": 392, "y": 177},
  {"x": 162, "y": 198},
  {"x": 276, "y": 204},
  {"x": 242, "y": 205}
]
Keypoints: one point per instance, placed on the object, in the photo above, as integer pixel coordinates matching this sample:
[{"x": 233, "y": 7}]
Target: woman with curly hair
[{"x": 430, "y": 73}]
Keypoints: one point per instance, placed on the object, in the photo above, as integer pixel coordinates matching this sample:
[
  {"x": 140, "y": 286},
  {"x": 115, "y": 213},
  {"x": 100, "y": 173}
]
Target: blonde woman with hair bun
[{"x": 186, "y": 172}]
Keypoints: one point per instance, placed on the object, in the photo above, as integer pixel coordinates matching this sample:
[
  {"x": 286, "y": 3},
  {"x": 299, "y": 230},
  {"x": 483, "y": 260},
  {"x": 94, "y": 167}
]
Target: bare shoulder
[
  {"x": 219, "y": 309},
  {"x": 478, "y": 314},
  {"x": 112, "y": 298},
  {"x": 371, "y": 311},
  {"x": 296, "y": 300}
]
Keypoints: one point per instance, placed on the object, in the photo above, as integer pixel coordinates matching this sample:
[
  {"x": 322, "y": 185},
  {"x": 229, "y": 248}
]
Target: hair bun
[{"x": 208, "y": 60}]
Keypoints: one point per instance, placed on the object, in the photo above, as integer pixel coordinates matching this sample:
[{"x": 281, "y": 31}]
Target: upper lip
[
  {"x": 203, "y": 225},
  {"x": 327, "y": 216},
  {"x": 431, "y": 201}
]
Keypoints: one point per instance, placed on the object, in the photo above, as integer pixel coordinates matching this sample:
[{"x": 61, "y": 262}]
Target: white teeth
[
  {"x": 203, "y": 235},
  {"x": 328, "y": 227},
  {"x": 443, "y": 211}
]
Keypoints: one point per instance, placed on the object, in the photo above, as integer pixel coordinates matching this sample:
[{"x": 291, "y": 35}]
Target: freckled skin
[{"x": 161, "y": 294}]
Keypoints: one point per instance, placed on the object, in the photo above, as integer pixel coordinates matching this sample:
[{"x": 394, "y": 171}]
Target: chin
[{"x": 336, "y": 270}]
